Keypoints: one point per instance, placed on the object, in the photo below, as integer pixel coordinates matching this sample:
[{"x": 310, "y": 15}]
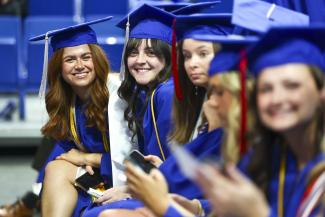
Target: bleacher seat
[
  {"x": 110, "y": 38},
  {"x": 95, "y": 7},
  {"x": 36, "y": 25},
  {"x": 113, "y": 47},
  {"x": 51, "y": 7},
  {"x": 12, "y": 70}
]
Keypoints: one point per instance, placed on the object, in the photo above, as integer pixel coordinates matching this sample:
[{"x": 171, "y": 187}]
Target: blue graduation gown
[
  {"x": 294, "y": 186},
  {"x": 91, "y": 138},
  {"x": 205, "y": 145},
  {"x": 163, "y": 102}
]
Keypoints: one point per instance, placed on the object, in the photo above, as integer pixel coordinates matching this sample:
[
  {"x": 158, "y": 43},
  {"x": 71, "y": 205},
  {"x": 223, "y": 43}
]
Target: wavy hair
[
  {"x": 186, "y": 112},
  {"x": 130, "y": 90},
  {"x": 59, "y": 97},
  {"x": 230, "y": 147}
]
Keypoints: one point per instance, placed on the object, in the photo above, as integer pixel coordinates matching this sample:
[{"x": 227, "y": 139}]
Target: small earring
[{"x": 195, "y": 90}]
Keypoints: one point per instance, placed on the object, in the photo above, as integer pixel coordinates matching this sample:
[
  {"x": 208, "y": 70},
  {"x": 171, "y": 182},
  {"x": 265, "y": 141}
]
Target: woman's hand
[
  {"x": 190, "y": 205},
  {"x": 113, "y": 194},
  {"x": 231, "y": 194},
  {"x": 80, "y": 158},
  {"x": 155, "y": 160},
  {"x": 210, "y": 110},
  {"x": 150, "y": 188},
  {"x": 74, "y": 156}
]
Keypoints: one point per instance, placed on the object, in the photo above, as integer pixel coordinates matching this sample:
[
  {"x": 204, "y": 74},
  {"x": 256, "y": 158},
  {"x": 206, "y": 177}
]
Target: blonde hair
[{"x": 230, "y": 147}]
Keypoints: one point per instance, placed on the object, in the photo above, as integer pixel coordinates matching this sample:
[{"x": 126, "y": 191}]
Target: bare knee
[{"x": 60, "y": 170}]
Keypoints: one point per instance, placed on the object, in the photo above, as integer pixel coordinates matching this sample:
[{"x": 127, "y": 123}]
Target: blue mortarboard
[
  {"x": 232, "y": 57},
  {"x": 259, "y": 15},
  {"x": 283, "y": 45},
  {"x": 66, "y": 37},
  {"x": 195, "y": 8},
  {"x": 149, "y": 22},
  {"x": 167, "y": 6},
  {"x": 72, "y": 36},
  {"x": 229, "y": 56},
  {"x": 200, "y": 24}
]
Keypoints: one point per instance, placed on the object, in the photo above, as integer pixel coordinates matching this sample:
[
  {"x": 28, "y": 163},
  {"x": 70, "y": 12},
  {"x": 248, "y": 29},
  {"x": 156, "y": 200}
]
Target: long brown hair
[
  {"x": 263, "y": 140},
  {"x": 186, "y": 111},
  {"x": 130, "y": 90},
  {"x": 60, "y": 95}
]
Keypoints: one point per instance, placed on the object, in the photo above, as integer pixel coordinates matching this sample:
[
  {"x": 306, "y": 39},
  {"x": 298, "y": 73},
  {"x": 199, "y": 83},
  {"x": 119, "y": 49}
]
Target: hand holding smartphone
[
  {"x": 91, "y": 183},
  {"x": 138, "y": 159}
]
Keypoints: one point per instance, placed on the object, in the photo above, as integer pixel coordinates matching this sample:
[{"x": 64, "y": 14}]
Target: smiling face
[
  {"x": 197, "y": 58},
  {"x": 287, "y": 96},
  {"x": 78, "y": 68},
  {"x": 143, "y": 64}
]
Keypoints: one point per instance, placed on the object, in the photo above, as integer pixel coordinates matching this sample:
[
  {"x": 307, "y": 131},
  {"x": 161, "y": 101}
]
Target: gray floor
[
  {"x": 16, "y": 177},
  {"x": 16, "y": 174},
  {"x": 23, "y": 132}
]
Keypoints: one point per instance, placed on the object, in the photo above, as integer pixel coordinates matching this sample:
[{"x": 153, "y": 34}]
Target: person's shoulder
[{"x": 166, "y": 88}]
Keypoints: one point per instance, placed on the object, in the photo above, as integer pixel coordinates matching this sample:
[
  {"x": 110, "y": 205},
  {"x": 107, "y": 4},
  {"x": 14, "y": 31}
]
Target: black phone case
[
  {"x": 138, "y": 159},
  {"x": 87, "y": 181}
]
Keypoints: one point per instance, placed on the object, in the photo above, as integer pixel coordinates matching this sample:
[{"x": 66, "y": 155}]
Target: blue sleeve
[
  {"x": 205, "y": 145},
  {"x": 106, "y": 168},
  {"x": 163, "y": 100},
  {"x": 172, "y": 212},
  {"x": 273, "y": 213},
  {"x": 205, "y": 206}
]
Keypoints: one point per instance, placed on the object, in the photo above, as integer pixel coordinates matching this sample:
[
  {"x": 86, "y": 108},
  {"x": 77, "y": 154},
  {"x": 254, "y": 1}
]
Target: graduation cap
[
  {"x": 148, "y": 21},
  {"x": 72, "y": 36},
  {"x": 259, "y": 15},
  {"x": 196, "y": 24},
  {"x": 283, "y": 45},
  {"x": 229, "y": 57},
  {"x": 66, "y": 37},
  {"x": 195, "y": 8},
  {"x": 199, "y": 24},
  {"x": 167, "y": 6},
  {"x": 232, "y": 57}
]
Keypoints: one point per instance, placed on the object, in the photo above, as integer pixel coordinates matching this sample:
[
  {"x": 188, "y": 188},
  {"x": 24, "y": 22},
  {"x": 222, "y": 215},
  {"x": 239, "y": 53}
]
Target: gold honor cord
[
  {"x": 73, "y": 127},
  {"x": 281, "y": 183},
  {"x": 155, "y": 125},
  {"x": 105, "y": 141}
]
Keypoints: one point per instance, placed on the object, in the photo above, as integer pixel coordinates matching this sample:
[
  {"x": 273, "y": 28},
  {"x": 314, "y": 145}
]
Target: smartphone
[
  {"x": 138, "y": 159},
  {"x": 87, "y": 181}
]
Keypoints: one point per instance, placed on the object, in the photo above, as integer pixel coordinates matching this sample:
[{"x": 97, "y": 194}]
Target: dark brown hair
[
  {"x": 130, "y": 90},
  {"x": 186, "y": 111}
]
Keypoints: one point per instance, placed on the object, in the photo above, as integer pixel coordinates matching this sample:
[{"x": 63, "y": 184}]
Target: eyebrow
[
  {"x": 69, "y": 56},
  {"x": 148, "y": 48},
  {"x": 202, "y": 46},
  {"x": 198, "y": 48}
]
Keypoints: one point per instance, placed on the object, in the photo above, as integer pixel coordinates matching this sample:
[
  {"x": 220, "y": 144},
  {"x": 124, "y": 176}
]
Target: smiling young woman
[{"x": 76, "y": 102}]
